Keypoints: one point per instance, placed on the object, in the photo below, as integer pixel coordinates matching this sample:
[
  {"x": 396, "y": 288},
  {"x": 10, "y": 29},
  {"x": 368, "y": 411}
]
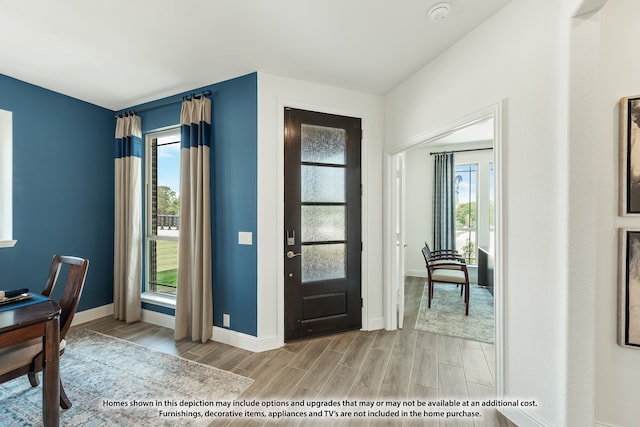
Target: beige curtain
[
  {"x": 127, "y": 256},
  {"x": 194, "y": 306}
]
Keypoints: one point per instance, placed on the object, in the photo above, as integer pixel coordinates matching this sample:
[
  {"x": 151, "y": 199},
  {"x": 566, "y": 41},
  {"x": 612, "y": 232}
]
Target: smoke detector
[{"x": 439, "y": 11}]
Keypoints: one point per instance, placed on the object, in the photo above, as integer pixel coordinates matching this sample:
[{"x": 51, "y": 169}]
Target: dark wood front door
[{"x": 322, "y": 260}]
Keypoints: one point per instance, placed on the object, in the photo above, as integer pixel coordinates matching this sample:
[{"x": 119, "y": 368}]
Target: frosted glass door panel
[
  {"x": 321, "y": 144},
  {"x": 322, "y": 184},
  {"x": 323, "y": 262},
  {"x": 323, "y": 223}
]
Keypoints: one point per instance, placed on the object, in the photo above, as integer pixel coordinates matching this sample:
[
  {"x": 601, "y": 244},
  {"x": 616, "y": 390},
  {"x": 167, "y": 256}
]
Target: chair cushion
[
  {"x": 21, "y": 354},
  {"x": 448, "y": 276}
]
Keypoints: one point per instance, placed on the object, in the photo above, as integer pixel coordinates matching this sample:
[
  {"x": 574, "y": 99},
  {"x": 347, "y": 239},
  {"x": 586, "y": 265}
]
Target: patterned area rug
[
  {"x": 446, "y": 315},
  {"x": 116, "y": 383}
]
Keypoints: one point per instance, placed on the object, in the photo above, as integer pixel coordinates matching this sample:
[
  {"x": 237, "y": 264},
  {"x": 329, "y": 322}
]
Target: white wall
[
  {"x": 617, "y": 369},
  {"x": 418, "y": 208},
  {"x": 520, "y": 55},
  {"x": 274, "y": 93}
]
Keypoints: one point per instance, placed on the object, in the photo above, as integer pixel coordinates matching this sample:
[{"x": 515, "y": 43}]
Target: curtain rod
[
  {"x": 184, "y": 98},
  {"x": 461, "y": 151}
]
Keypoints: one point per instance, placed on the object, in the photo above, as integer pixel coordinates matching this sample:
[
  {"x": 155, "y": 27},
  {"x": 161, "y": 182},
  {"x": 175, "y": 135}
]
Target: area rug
[
  {"x": 446, "y": 315},
  {"x": 116, "y": 383}
]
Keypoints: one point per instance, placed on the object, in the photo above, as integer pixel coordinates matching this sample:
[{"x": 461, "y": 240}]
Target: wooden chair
[
  {"x": 27, "y": 358},
  {"x": 446, "y": 268}
]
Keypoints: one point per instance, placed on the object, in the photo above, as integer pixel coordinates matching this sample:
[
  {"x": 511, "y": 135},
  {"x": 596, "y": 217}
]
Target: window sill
[
  {"x": 7, "y": 243},
  {"x": 159, "y": 299}
]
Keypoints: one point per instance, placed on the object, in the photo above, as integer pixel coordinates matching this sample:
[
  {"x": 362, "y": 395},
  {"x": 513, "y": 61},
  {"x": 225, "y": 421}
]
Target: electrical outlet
[{"x": 226, "y": 320}]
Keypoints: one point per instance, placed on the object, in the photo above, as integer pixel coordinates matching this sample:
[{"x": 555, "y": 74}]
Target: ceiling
[
  {"x": 477, "y": 132},
  {"x": 121, "y": 53}
]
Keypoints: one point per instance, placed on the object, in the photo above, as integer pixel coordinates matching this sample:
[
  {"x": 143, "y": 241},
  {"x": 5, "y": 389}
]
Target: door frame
[
  {"x": 398, "y": 217},
  {"x": 391, "y": 267},
  {"x": 280, "y": 225}
]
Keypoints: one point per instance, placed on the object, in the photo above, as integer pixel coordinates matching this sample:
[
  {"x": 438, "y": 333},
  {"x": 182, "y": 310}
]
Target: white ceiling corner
[{"x": 122, "y": 53}]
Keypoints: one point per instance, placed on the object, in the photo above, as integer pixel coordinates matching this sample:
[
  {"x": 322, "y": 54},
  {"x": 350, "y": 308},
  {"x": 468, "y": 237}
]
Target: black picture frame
[
  {"x": 629, "y": 288},
  {"x": 630, "y": 156}
]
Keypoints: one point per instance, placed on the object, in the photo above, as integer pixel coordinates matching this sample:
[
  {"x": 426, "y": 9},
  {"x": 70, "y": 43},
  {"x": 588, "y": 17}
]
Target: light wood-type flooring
[{"x": 380, "y": 365}]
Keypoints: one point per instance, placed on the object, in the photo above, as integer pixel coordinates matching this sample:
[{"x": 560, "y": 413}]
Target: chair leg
[
  {"x": 430, "y": 284},
  {"x": 33, "y": 379},
  {"x": 65, "y": 403},
  {"x": 466, "y": 299}
]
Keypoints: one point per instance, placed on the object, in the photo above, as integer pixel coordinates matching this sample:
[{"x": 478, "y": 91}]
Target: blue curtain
[
  {"x": 444, "y": 226},
  {"x": 127, "y": 245},
  {"x": 194, "y": 305}
]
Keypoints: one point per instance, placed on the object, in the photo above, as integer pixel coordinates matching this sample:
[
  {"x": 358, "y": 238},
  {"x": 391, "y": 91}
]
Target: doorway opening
[{"x": 476, "y": 141}]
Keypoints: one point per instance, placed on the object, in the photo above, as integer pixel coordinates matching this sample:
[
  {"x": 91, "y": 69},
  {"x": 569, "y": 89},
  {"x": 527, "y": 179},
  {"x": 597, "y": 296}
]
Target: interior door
[{"x": 322, "y": 260}]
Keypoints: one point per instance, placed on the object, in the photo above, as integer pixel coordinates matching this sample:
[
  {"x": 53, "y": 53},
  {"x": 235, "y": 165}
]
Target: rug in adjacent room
[
  {"x": 101, "y": 373},
  {"x": 446, "y": 315}
]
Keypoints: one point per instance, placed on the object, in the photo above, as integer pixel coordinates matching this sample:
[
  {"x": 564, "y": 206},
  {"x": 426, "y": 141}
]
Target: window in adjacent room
[
  {"x": 466, "y": 211},
  {"x": 162, "y": 212},
  {"x": 6, "y": 179}
]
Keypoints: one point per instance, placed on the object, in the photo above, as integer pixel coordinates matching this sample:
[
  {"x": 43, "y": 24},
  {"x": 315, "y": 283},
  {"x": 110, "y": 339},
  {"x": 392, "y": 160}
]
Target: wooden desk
[
  {"x": 41, "y": 319},
  {"x": 485, "y": 268}
]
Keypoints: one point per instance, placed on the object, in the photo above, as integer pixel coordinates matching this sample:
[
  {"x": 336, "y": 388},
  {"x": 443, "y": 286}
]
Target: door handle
[{"x": 291, "y": 254}]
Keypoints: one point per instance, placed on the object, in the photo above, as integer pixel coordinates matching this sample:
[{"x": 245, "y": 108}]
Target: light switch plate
[{"x": 245, "y": 238}]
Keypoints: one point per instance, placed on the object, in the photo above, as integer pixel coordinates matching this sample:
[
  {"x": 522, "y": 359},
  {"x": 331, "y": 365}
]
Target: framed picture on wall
[
  {"x": 629, "y": 288},
  {"x": 630, "y": 156}
]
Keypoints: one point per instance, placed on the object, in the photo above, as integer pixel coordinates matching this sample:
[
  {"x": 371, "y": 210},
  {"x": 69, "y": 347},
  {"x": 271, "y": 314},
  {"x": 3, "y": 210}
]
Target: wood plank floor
[{"x": 358, "y": 365}]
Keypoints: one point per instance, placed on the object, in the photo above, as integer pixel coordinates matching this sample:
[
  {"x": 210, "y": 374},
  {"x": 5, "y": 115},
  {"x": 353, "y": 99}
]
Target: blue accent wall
[
  {"x": 62, "y": 189},
  {"x": 235, "y": 193}
]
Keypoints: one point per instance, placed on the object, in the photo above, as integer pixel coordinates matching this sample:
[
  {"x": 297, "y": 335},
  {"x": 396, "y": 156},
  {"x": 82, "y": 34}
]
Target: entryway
[{"x": 406, "y": 244}]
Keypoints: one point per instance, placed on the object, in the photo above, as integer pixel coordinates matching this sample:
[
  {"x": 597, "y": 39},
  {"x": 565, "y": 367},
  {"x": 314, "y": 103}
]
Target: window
[
  {"x": 6, "y": 179},
  {"x": 163, "y": 210},
  {"x": 466, "y": 211}
]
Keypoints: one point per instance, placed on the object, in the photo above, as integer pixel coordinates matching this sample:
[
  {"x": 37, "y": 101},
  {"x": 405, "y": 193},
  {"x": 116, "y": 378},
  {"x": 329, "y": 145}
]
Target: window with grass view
[
  {"x": 163, "y": 210},
  {"x": 466, "y": 211}
]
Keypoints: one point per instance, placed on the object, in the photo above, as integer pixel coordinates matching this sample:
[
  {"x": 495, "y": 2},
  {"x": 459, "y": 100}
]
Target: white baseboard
[
  {"x": 244, "y": 341},
  {"x": 375, "y": 324},
  {"x": 416, "y": 273},
  {"x": 223, "y": 335},
  {"x": 92, "y": 314},
  {"x": 522, "y": 418}
]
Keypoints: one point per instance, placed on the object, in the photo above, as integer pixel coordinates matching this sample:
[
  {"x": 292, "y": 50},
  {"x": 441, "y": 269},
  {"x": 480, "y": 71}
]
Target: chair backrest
[
  {"x": 427, "y": 256},
  {"x": 77, "y": 271},
  {"x": 426, "y": 252}
]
